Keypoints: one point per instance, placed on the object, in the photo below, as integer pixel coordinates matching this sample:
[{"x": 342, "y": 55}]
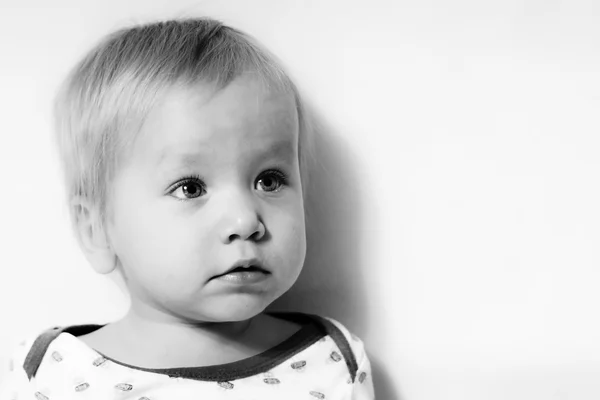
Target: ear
[{"x": 92, "y": 235}]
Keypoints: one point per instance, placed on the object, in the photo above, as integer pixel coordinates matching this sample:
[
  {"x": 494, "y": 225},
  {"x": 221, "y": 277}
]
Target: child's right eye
[{"x": 189, "y": 188}]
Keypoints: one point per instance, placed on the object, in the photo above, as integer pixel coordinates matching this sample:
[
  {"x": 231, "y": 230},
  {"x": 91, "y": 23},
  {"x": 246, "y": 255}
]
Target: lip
[
  {"x": 246, "y": 263},
  {"x": 245, "y": 275}
]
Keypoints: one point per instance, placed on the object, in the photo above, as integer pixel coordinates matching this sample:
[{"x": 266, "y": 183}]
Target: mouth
[
  {"x": 244, "y": 272},
  {"x": 247, "y": 265},
  {"x": 251, "y": 268}
]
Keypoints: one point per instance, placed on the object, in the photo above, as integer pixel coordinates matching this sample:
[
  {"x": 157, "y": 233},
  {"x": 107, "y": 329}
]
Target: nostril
[
  {"x": 255, "y": 235},
  {"x": 244, "y": 229}
]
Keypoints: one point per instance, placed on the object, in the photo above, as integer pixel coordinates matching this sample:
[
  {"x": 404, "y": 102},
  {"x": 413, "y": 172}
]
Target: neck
[
  {"x": 152, "y": 323},
  {"x": 157, "y": 340}
]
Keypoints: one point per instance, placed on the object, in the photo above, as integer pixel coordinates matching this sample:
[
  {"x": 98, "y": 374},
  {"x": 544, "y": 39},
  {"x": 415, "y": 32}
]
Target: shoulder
[
  {"x": 13, "y": 375},
  {"x": 328, "y": 325},
  {"x": 18, "y": 351},
  {"x": 26, "y": 356},
  {"x": 350, "y": 347},
  {"x": 360, "y": 370},
  {"x": 340, "y": 333},
  {"x": 350, "y": 336}
]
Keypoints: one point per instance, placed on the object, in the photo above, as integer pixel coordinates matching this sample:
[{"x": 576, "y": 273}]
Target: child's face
[{"x": 213, "y": 180}]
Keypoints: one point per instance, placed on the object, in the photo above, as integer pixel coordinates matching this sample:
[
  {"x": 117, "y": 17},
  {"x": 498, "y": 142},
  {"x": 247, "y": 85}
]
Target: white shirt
[{"x": 314, "y": 364}]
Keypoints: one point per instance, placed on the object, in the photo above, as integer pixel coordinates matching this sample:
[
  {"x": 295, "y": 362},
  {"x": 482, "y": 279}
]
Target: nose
[{"x": 242, "y": 221}]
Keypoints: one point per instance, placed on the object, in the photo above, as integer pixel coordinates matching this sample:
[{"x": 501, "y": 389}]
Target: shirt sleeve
[
  {"x": 362, "y": 388},
  {"x": 363, "y": 384},
  {"x": 14, "y": 384}
]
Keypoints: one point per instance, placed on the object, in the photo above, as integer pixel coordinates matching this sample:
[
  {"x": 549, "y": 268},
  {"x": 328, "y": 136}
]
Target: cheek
[
  {"x": 291, "y": 251},
  {"x": 148, "y": 239},
  {"x": 289, "y": 234}
]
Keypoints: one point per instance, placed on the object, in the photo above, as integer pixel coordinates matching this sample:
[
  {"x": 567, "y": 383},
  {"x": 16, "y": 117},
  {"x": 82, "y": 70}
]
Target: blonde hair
[{"x": 104, "y": 99}]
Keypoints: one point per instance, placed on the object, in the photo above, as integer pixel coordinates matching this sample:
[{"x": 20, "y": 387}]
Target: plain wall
[{"x": 455, "y": 211}]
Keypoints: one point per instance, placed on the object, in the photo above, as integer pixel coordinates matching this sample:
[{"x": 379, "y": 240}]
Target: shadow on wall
[{"x": 331, "y": 282}]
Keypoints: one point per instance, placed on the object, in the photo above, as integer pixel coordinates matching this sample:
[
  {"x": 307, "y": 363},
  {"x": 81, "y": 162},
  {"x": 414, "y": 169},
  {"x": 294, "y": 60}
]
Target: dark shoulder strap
[
  {"x": 342, "y": 343},
  {"x": 329, "y": 329},
  {"x": 42, "y": 342},
  {"x": 38, "y": 349}
]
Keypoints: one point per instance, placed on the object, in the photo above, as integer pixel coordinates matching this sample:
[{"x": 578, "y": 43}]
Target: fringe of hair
[{"x": 103, "y": 102}]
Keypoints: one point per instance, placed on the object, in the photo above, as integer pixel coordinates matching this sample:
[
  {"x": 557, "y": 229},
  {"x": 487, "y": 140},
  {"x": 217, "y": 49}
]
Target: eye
[
  {"x": 271, "y": 181},
  {"x": 189, "y": 188}
]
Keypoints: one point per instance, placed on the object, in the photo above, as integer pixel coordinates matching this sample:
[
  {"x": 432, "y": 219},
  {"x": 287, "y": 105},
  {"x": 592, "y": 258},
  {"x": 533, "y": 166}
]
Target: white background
[{"x": 455, "y": 211}]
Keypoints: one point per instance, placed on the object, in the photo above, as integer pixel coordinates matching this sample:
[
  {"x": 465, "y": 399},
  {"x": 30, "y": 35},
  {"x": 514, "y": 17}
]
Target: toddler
[{"x": 183, "y": 144}]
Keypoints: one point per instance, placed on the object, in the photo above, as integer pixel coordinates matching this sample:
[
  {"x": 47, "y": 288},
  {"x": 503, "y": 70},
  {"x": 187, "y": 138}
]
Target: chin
[{"x": 234, "y": 311}]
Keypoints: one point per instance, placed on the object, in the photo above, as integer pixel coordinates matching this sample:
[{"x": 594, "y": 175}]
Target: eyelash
[
  {"x": 283, "y": 178},
  {"x": 196, "y": 179}
]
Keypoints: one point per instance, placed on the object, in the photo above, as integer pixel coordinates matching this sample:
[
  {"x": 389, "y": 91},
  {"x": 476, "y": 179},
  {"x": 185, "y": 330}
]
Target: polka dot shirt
[{"x": 322, "y": 361}]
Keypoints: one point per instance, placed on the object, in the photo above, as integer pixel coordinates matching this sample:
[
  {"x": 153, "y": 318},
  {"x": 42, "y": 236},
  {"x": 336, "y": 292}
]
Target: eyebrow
[{"x": 281, "y": 148}]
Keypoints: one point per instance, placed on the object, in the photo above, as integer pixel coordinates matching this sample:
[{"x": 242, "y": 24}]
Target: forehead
[{"x": 244, "y": 116}]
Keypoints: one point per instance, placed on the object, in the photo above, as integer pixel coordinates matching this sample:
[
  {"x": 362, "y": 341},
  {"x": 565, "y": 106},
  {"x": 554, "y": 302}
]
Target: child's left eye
[{"x": 271, "y": 181}]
